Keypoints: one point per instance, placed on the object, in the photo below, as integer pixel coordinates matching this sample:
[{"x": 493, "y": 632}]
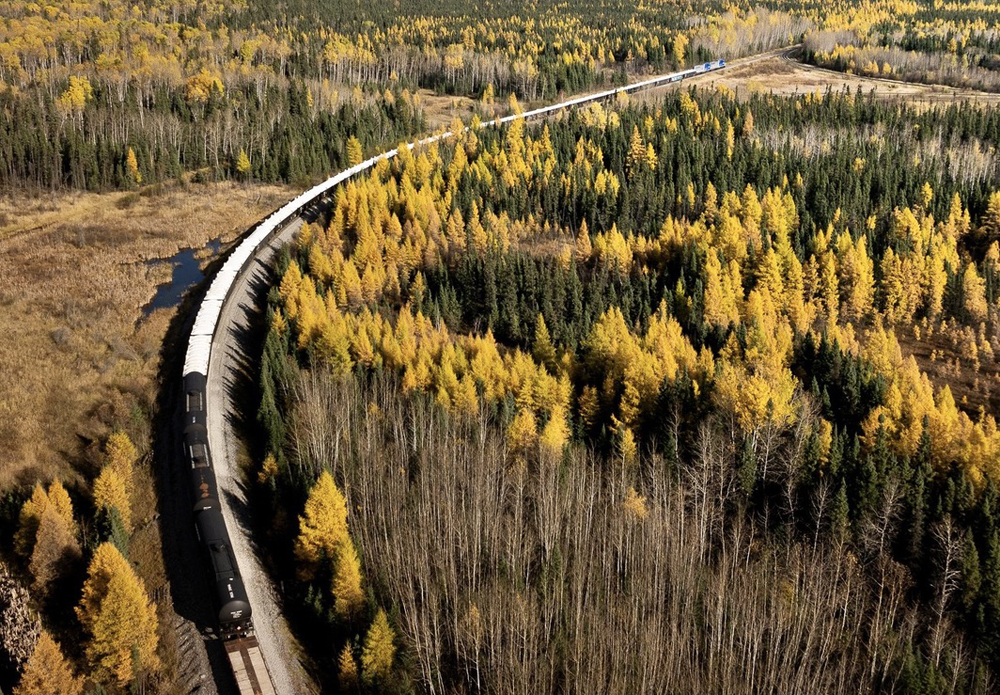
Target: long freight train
[{"x": 235, "y": 612}]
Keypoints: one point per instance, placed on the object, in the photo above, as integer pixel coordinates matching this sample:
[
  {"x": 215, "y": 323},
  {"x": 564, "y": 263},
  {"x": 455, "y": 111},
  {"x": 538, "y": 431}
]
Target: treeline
[
  {"x": 285, "y": 133},
  {"x": 727, "y": 305},
  {"x": 191, "y": 87},
  {"x": 937, "y": 43},
  {"x": 112, "y": 95}
]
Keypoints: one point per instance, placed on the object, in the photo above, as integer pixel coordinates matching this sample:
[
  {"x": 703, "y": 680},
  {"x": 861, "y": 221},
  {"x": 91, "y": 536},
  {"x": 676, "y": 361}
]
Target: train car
[
  {"x": 194, "y": 399},
  {"x": 248, "y": 667},
  {"x": 199, "y": 462},
  {"x": 234, "y": 607}
]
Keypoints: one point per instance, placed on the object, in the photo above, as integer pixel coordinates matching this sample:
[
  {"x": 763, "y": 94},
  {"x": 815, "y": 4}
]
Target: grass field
[
  {"x": 779, "y": 74},
  {"x": 75, "y": 356}
]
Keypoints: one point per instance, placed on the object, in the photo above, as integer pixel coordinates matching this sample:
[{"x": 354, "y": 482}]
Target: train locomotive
[{"x": 234, "y": 612}]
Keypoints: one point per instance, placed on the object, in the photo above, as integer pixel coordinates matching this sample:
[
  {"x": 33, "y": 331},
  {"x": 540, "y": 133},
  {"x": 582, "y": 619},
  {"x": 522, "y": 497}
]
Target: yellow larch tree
[
  {"x": 355, "y": 155},
  {"x": 348, "y": 597},
  {"x": 554, "y": 436},
  {"x": 379, "y": 651},
  {"x": 120, "y": 453},
  {"x": 322, "y": 526},
  {"x": 111, "y": 492},
  {"x": 28, "y": 520},
  {"x": 118, "y": 619},
  {"x": 34, "y": 509},
  {"x": 243, "y": 164},
  {"x": 974, "y": 294},
  {"x": 523, "y": 430},
  {"x": 584, "y": 247},
  {"x": 679, "y": 48},
  {"x": 347, "y": 670},
  {"x": 47, "y": 671},
  {"x": 55, "y": 545},
  {"x": 132, "y": 167}
]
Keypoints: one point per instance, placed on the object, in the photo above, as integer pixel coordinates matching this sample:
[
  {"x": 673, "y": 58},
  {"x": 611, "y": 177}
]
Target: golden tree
[
  {"x": 111, "y": 492},
  {"x": 28, "y": 520},
  {"x": 974, "y": 294},
  {"x": 583, "y": 244},
  {"x": 120, "y": 452},
  {"x": 347, "y": 669},
  {"x": 55, "y": 545},
  {"x": 118, "y": 618},
  {"x": 349, "y": 599},
  {"x": 34, "y": 509},
  {"x": 355, "y": 154},
  {"x": 680, "y": 47},
  {"x": 132, "y": 167},
  {"x": 47, "y": 671},
  {"x": 379, "y": 651},
  {"x": 322, "y": 526},
  {"x": 243, "y": 163}
]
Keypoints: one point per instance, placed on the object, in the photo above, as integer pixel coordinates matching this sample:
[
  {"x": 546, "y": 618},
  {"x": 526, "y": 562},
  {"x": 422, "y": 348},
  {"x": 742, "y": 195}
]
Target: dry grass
[
  {"x": 440, "y": 109},
  {"x": 775, "y": 73},
  {"x": 74, "y": 353}
]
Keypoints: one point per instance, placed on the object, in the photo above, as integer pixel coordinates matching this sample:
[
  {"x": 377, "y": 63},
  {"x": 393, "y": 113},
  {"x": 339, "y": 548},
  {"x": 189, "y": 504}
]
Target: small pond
[{"x": 187, "y": 272}]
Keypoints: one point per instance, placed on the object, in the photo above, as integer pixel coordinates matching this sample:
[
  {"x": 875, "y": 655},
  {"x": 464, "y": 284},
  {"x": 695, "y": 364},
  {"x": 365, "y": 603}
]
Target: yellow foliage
[
  {"x": 635, "y": 504},
  {"x": 523, "y": 430},
  {"x": 349, "y": 599},
  {"x": 120, "y": 453},
  {"x": 379, "y": 651},
  {"x": 111, "y": 492},
  {"x": 201, "y": 85},
  {"x": 322, "y": 526},
  {"x": 347, "y": 670},
  {"x": 76, "y": 96},
  {"x": 47, "y": 671},
  {"x": 118, "y": 618},
  {"x": 554, "y": 436}
]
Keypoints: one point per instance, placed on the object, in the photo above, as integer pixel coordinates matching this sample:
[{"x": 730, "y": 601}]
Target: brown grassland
[
  {"x": 75, "y": 279},
  {"x": 779, "y": 74}
]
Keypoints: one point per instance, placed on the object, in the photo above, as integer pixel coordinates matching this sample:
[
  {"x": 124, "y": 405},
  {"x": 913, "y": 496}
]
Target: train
[{"x": 235, "y": 614}]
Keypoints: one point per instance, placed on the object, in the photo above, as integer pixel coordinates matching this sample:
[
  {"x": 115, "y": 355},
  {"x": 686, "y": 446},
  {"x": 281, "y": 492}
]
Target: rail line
[{"x": 207, "y": 379}]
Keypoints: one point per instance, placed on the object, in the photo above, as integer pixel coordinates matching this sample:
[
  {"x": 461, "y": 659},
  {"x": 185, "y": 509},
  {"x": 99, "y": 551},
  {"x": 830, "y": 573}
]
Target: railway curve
[{"x": 216, "y": 357}]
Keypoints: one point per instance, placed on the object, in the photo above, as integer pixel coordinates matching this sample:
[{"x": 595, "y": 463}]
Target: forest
[
  {"x": 689, "y": 396},
  {"x": 111, "y": 95}
]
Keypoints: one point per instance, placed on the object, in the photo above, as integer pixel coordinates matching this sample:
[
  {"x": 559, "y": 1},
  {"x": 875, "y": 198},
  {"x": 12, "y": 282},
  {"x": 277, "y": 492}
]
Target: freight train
[
  {"x": 234, "y": 614},
  {"x": 234, "y": 610}
]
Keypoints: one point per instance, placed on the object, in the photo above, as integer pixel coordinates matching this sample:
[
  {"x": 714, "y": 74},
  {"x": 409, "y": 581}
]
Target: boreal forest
[
  {"x": 692, "y": 395},
  {"x": 689, "y": 390}
]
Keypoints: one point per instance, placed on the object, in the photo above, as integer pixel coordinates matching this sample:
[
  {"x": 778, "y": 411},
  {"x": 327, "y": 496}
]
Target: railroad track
[{"x": 260, "y": 647}]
